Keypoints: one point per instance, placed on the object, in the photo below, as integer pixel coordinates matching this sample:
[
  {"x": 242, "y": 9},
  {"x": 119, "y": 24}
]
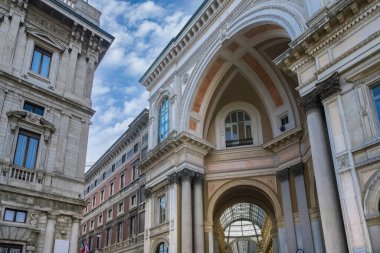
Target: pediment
[{"x": 46, "y": 37}]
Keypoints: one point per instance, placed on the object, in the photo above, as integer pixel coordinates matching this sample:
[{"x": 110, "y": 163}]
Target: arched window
[
  {"x": 238, "y": 129},
  {"x": 163, "y": 120},
  {"x": 162, "y": 248}
]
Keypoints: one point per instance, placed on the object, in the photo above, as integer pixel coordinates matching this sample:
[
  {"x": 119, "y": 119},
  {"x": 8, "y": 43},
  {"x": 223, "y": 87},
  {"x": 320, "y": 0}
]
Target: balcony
[
  {"x": 21, "y": 177},
  {"x": 239, "y": 142}
]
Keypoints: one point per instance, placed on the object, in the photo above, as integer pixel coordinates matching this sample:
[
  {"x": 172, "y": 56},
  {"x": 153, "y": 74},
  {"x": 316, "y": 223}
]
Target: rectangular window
[
  {"x": 119, "y": 232},
  {"x": 130, "y": 153},
  {"x": 90, "y": 243},
  {"x": 98, "y": 237},
  {"x": 26, "y": 149},
  {"x": 108, "y": 238},
  {"x": 123, "y": 158},
  {"x": 84, "y": 228},
  {"x": 100, "y": 219},
  {"x": 122, "y": 181},
  {"x": 132, "y": 227},
  {"x": 104, "y": 175},
  {"x": 10, "y": 248},
  {"x": 142, "y": 194},
  {"x": 133, "y": 200},
  {"x": 96, "y": 182},
  {"x": 41, "y": 62},
  {"x": 376, "y": 99},
  {"x": 30, "y": 107},
  {"x": 144, "y": 140},
  {"x": 110, "y": 214},
  {"x": 15, "y": 215},
  {"x": 141, "y": 222},
  {"x": 136, "y": 148},
  {"x": 92, "y": 224},
  {"x": 113, "y": 168},
  {"x": 93, "y": 201},
  {"x": 134, "y": 172},
  {"x": 102, "y": 195},
  {"x": 121, "y": 207},
  {"x": 162, "y": 203},
  {"x": 112, "y": 188}
]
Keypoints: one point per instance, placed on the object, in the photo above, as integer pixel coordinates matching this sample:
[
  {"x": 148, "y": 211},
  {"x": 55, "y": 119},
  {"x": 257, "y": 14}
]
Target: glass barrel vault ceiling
[{"x": 242, "y": 220}]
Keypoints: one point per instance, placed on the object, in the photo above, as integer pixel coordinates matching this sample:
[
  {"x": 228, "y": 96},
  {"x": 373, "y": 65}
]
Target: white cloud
[{"x": 141, "y": 31}]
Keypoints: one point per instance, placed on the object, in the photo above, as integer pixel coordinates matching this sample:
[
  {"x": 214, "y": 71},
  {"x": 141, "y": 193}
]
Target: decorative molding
[
  {"x": 343, "y": 161},
  {"x": 297, "y": 169},
  {"x": 284, "y": 140},
  {"x": 310, "y": 101},
  {"x": 328, "y": 87},
  {"x": 174, "y": 178},
  {"x": 186, "y": 175},
  {"x": 283, "y": 175},
  {"x": 148, "y": 192},
  {"x": 199, "y": 178}
]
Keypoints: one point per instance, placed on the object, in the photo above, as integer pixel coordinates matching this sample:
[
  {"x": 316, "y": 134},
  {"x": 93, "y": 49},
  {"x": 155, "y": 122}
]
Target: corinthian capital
[
  {"x": 328, "y": 87},
  {"x": 310, "y": 101},
  {"x": 186, "y": 174}
]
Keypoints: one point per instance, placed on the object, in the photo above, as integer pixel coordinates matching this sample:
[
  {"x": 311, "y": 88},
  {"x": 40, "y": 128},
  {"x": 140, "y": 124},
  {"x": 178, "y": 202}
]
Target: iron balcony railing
[{"x": 239, "y": 142}]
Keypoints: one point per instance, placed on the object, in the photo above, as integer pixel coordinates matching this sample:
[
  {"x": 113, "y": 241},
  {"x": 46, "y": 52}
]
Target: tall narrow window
[
  {"x": 26, "y": 149},
  {"x": 162, "y": 248},
  {"x": 112, "y": 188},
  {"x": 162, "y": 202},
  {"x": 41, "y": 62},
  {"x": 134, "y": 172},
  {"x": 163, "y": 120},
  {"x": 122, "y": 181},
  {"x": 133, "y": 226},
  {"x": 238, "y": 129},
  {"x": 108, "y": 238},
  {"x": 376, "y": 98},
  {"x": 102, "y": 195},
  {"x": 119, "y": 232}
]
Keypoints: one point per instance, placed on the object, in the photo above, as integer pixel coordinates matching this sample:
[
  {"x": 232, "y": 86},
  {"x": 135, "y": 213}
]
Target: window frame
[
  {"x": 15, "y": 215},
  {"x": 231, "y": 124},
  {"x": 164, "y": 250},
  {"x": 28, "y": 134},
  {"x": 33, "y": 106},
  {"x": 163, "y": 122},
  {"x": 12, "y": 246},
  {"x": 162, "y": 209},
  {"x": 43, "y": 53}
]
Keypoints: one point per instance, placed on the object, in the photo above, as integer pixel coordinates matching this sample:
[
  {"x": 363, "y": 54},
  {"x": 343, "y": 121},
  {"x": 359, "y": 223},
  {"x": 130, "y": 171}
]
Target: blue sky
[{"x": 141, "y": 30}]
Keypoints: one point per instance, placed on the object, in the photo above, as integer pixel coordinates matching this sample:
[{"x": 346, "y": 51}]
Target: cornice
[
  {"x": 329, "y": 25},
  {"x": 205, "y": 15},
  {"x": 278, "y": 143},
  {"x": 133, "y": 131},
  {"x": 173, "y": 143}
]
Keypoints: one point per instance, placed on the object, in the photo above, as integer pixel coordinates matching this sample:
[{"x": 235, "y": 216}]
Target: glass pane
[
  {"x": 241, "y": 130},
  {"x": 39, "y": 111},
  {"x": 246, "y": 117},
  {"x": 376, "y": 91},
  {"x": 377, "y": 104},
  {"x": 20, "y": 149},
  {"x": 3, "y": 250},
  {"x": 234, "y": 132},
  {"x": 9, "y": 215},
  {"x": 32, "y": 153},
  {"x": 28, "y": 107},
  {"x": 15, "y": 251},
  {"x": 248, "y": 131},
  {"x": 36, "y": 61},
  {"x": 241, "y": 116},
  {"x": 45, "y": 66},
  {"x": 228, "y": 119},
  {"x": 228, "y": 133},
  {"x": 233, "y": 117},
  {"x": 20, "y": 216}
]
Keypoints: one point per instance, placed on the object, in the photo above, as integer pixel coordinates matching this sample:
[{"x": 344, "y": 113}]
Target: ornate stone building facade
[
  {"x": 49, "y": 50},
  {"x": 114, "y": 218},
  {"x": 264, "y": 130}
]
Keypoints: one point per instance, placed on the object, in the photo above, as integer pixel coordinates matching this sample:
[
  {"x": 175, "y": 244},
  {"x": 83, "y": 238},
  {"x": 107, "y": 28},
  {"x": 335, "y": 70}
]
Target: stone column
[
  {"x": 332, "y": 225},
  {"x": 303, "y": 210},
  {"x": 347, "y": 180},
  {"x": 174, "y": 207},
  {"x": 74, "y": 237},
  {"x": 198, "y": 214},
  {"x": 274, "y": 241},
  {"x": 187, "y": 217},
  {"x": 288, "y": 212},
  {"x": 50, "y": 233}
]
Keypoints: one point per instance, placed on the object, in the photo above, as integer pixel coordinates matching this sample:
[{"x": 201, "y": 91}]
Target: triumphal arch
[{"x": 264, "y": 130}]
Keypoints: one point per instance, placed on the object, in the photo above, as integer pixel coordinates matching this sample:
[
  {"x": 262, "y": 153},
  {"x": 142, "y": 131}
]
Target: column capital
[
  {"x": 148, "y": 192},
  {"x": 297, "y": 169},
  {"x": 198, "y": 178},
  {"x": 52, "y": 216},
  {"x": 310, "y": 101},
  {"x": 186, "y": 174},
  {"x": 328, "y": 87},
  {"x": 283, "y": 175},
  {"x": 173, "y": 178}
]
